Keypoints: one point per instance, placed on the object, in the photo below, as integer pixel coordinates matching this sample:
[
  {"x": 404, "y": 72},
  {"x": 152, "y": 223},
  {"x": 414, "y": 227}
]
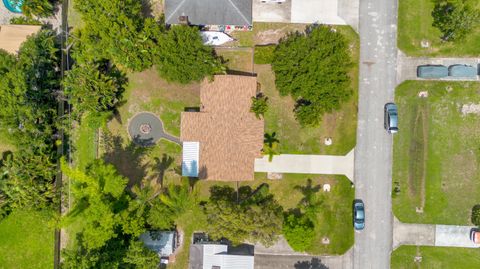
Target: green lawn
[
  {"x": 239, "y": 59},
  {"x": 84, "y": 144},
  {"x": 335, "y": 219},
  {"x": 436, "y": 153},
  {"x": 26, "y": 240},
  {"x": 341, "y": 125},
  {"x": 415, "y": 25},
  {"x": 435, "y": 258}
]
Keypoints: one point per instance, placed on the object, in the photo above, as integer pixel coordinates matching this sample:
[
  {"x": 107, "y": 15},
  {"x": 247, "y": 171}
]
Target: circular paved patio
[{"x": 145, "y": 129}]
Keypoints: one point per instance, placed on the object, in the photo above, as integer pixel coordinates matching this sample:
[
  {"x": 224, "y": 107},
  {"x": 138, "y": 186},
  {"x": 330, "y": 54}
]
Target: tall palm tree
[{"x": 270, "y": 145}]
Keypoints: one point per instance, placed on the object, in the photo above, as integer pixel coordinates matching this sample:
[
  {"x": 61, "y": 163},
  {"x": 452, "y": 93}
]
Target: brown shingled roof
[{"x": 230, "y": 136}]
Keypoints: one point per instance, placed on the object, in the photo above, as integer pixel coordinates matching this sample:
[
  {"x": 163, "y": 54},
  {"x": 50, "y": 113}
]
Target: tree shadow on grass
[
  {"x": 315, "y": 263},
  {"x": 128, "y": 159},
  {"x": 161, "y": 166},
  {"x": 309, "y": 192}
]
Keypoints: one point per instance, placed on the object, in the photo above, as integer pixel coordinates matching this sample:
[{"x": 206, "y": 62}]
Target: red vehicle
[{"x": 475, "y": 236}]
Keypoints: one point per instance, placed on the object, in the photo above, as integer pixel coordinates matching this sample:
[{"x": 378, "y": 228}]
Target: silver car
[{"x": 390, "y": 121}]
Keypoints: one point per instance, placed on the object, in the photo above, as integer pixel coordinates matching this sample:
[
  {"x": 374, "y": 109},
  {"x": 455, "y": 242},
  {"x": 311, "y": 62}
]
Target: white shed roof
[
  {"x": 216, "y": 255},
  {"x": 190, "y": 159}
]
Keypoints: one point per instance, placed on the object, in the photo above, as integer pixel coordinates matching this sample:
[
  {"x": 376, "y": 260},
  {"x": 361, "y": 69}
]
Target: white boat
[{"x": 215, "y": 38}]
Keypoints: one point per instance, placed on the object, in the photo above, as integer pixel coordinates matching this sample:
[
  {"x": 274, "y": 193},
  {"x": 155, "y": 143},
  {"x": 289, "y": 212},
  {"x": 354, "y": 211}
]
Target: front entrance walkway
[
  {"x": 308, "y": 164},
  {"x": 431, "y": 235}
]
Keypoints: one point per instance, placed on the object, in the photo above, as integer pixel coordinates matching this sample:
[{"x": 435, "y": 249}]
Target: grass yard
[
  {"x": 436, "y": 153},
  {"x": 435, "y": 257},
  {"x": 341, "y": 125},
  {"x": 237, "y": 59},
  {"x": 335, "y": 219},
  {"x": 26, "y": 240},
  {"x": 415, "y": 24},
  {"x": 147, "y": 92},
  {"x": 242, "y": 38}
]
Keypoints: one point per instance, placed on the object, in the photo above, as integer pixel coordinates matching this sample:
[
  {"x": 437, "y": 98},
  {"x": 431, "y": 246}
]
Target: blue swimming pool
[{"x": 13, "y": 5}]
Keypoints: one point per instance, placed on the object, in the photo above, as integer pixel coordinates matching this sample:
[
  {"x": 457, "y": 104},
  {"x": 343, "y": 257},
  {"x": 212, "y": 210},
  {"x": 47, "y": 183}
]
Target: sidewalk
[
  {"x": 281, "y": 255},
  {"x": 308, "y": 164}
]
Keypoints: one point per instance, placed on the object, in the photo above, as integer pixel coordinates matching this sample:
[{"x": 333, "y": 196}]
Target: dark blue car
[{"x": 358, "y": 215}]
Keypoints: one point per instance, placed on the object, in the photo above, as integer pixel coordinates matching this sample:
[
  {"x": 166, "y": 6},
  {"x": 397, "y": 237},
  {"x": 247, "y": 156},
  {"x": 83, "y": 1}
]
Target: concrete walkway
[
  {"x": 308, "y": 164},
  {"x": 407, "y": 66},
  {"x": 282, "y": 256},
  {"x": 431, "y": 235}
]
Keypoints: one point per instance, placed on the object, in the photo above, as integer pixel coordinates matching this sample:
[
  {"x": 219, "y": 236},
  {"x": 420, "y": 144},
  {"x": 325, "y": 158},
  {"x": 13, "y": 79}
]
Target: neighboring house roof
[
  {"x": 208, "y": 256},
  {"x": 229, "y": 135},
  {"x": 12, "y": 36},
  {"x": 162, "y": 242},
  {"x": 209, "y": 12}
]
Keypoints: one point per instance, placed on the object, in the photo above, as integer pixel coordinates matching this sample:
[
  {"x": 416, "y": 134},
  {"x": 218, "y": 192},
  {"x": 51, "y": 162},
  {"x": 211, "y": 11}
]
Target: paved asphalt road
[{"x": 373, "y": 156}]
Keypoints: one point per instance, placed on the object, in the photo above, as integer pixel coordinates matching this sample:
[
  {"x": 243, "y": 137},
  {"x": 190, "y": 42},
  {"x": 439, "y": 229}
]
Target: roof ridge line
[
  {"x": 239, "y": 12},
  {"x": 175, "y": 10}
]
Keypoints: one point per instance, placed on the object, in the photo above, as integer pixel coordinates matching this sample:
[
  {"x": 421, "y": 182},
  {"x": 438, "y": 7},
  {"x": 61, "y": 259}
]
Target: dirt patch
[
  {"x": 418, "y": 154},
  {"x": 271, "y": 33},
  {"x": 471, "y": 109}
]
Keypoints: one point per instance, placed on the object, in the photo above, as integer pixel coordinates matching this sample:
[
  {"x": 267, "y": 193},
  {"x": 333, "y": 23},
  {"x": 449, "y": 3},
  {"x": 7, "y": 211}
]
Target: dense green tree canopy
[
  {"x": 100, "y": 197},
  {"x": 116, "y": 30},
  {"x": 183, "y": 57},
  {"x": 28, "y": 118},
  {"x": 170, "y": 205},
  {"x": 313, "y": 68},
  {"x": 455, "y": 18},
  {"x": 28, "y": 87},
  {"x": 94, "y": 87},
  {"x": 249, "y": 215}
]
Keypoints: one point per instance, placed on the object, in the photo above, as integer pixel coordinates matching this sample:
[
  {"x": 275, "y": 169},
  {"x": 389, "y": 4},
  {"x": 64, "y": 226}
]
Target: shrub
[
  {"x": 25, "y": 21},
  {"x": 264, "y": 54},
  {"x": 299, "y": 231},
  {"x": 476, "y": 215},
  {"x": 259, "y": 105}
]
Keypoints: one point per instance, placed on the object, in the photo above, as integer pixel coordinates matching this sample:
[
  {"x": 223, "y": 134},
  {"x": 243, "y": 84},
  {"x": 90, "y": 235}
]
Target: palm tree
[{"x": 270, "y": 145}]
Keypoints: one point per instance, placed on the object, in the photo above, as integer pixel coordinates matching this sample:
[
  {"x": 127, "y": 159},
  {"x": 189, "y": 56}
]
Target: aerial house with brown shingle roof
[{"x": 222, "y": 140}]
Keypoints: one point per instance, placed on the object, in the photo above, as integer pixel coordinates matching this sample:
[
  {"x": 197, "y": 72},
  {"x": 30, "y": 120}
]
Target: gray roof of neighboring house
[{"x": 209, "y": 12}]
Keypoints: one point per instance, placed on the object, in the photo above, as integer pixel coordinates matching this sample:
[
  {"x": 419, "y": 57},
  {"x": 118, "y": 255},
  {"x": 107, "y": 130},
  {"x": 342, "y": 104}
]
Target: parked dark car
[
  {"x": 390, "y": 121},
  {"x": 462, "y": 71},
  {"x": 432, "y": 71},
  {"x": 358, "y": 215}
]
